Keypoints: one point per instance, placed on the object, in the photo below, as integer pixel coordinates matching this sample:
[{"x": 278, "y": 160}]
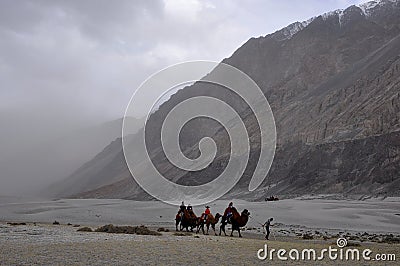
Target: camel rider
[
  {"x": 182, "y": 208},
  {"x": 190, "y": 211},
  {"x": 228, "y": 212},
  {"x": 206, "y": 213}
]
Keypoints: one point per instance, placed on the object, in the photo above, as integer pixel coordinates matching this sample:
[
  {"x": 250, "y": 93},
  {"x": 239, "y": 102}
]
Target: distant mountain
[
  {"x": 59, "y": 158},
  {"x": 333, "y": 83}
]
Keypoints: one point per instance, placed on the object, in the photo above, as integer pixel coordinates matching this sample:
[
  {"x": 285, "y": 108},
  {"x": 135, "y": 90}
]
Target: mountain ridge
[{"x": 333, "y": 84}]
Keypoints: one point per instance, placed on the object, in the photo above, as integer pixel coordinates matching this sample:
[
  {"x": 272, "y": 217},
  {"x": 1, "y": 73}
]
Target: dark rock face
[
  {"x": 333, "y": 84},
  {"x": 361, "y": 166}
]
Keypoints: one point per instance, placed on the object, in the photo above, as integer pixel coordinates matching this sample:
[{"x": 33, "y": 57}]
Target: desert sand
[{"x": 366, "y": 224}]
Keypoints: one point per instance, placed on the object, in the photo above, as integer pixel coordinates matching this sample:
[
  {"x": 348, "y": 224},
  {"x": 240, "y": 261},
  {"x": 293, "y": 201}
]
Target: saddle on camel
[
  {"x": 186, "y": 218},
  {"x": 237, "y": 220},
  {"x": 210, "y": 220}
]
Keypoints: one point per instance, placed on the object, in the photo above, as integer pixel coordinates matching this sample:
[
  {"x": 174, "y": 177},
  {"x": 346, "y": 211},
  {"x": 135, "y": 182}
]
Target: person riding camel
[
  {"x": 190, "y": 211},
  {"x": 228, "y": 212},
  {"x": 206, "y": 213},
  {"x": 182, "y": 208}
]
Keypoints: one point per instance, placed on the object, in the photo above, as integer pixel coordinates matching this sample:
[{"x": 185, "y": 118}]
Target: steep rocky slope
[{"x": 333, "y": 83}]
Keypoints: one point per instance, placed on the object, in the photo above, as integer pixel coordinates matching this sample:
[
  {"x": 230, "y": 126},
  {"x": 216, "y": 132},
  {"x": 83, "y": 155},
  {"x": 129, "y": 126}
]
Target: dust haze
[{"x": 69, "y": 68}]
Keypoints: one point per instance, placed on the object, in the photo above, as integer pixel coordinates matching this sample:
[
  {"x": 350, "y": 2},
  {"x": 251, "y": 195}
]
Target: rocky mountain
[{"x": 333, "y": 83}]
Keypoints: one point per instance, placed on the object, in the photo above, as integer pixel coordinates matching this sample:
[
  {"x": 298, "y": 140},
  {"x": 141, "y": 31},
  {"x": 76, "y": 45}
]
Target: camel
[
  {"x": 186, "y": 219},
  {"x": 211, "y": 220},
  {"x": 237, "y": 221},
  {"x": 178, "y": 219}
]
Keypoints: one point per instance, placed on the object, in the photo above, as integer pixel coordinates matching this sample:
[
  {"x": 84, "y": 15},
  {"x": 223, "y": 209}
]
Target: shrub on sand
[
  {"x": 308, "y": 236},
  {"x": 182, "y": 234},
  {"x": 85, "y": 229},
  {"x": 139, "y": 230}
]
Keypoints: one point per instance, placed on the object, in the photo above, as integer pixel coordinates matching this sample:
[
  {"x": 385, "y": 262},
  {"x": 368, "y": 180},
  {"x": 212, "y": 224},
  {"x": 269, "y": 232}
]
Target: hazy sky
[
  {"x": 85, "y": 58},
  {"x": 67, "y": 63}
]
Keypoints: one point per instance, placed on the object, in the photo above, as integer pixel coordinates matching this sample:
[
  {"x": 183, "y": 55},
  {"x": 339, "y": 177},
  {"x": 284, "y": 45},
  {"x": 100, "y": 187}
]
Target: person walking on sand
[{"x": 267, "y": 225}]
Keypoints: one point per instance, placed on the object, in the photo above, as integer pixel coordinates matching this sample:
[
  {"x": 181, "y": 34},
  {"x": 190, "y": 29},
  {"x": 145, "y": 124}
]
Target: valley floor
[
  {"x": 372, "y": 224},
  {"x": 43, "y": 244}
]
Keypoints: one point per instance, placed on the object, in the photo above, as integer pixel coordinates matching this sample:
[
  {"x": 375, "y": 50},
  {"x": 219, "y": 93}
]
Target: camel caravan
[{"x": 187, "y": 219}]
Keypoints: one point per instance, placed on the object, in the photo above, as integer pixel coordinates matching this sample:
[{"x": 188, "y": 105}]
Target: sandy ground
[
  {"x": 363, "y": 223},
  {"x": 43, "y": 244},
  {"x": 370, "y": 215}
]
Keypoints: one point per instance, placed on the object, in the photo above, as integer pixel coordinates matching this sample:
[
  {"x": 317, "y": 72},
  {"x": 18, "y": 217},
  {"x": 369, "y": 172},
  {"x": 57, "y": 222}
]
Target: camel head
[
  {"x": 217, "y": 216},
  {"x": 245, "y": 212}
]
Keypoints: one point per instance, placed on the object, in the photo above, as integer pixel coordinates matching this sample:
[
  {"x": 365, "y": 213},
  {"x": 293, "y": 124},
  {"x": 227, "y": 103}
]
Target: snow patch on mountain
[
  {"x": 339, "y": 13},
  {"x": 368, "y": 7},
  {"x": 294, "y": 28}
]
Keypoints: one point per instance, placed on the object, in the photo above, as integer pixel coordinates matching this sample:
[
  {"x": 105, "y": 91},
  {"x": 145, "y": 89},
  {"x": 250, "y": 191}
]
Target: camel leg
[
  {"x": 239, "y": 232},
  {"x": 223, "y": 229},
  {"x": 184, "y": 226},
  {"x": 232, "y": 231},
  {"x": 208, "y": 228},
  {"x": 198, "y": 228},
  {"x": 213, "y": 227}
]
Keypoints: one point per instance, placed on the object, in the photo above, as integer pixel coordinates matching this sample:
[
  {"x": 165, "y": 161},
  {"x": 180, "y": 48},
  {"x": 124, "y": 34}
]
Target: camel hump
[{"x": 234, "y": 210}]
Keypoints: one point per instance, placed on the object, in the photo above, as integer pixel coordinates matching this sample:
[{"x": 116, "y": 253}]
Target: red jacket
[{"x": 207, "y": 211}]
